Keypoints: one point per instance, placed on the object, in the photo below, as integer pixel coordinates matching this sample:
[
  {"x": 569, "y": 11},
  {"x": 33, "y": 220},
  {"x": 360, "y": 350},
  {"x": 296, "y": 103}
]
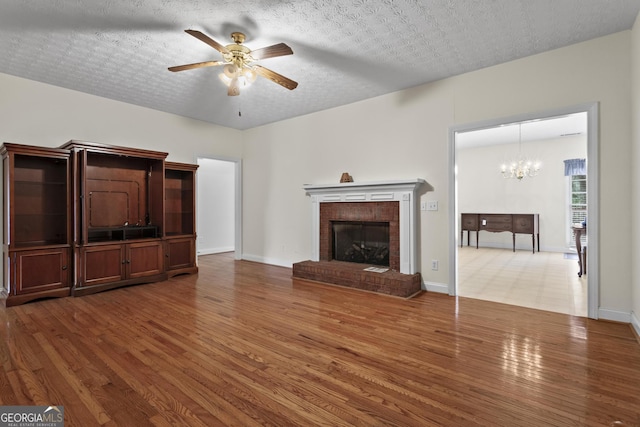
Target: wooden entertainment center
[{"x": 87, "y": 217}]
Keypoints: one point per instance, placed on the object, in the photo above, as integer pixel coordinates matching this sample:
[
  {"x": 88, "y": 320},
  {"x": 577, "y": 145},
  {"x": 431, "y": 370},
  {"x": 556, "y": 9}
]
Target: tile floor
[{"x": 544, "y": 280}]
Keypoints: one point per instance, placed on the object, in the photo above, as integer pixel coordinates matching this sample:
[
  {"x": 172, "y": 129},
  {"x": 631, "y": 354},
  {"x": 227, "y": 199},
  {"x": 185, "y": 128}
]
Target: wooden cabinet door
[
  {"x": 144, "y": 259},
  {"x": 40, "y": 270},
  {"x": 181, "y": 253},
  {"x": 102, "y": 264}
]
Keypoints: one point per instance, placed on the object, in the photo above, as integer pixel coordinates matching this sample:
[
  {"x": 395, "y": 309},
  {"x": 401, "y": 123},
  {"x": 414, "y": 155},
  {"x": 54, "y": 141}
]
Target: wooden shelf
[
  {"x": 37, "y": 228},
  {"x": 180, "y": 220}
]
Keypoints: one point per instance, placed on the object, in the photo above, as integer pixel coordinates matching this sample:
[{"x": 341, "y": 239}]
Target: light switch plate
[{"x": 432, "y": 205}]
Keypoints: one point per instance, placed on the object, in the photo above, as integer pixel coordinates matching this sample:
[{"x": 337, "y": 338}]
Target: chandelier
[{"x": 520, "y": 167}]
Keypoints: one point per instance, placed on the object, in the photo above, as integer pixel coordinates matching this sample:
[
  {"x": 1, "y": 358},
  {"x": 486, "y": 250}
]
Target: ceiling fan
[{"x": 239, "y": 62}]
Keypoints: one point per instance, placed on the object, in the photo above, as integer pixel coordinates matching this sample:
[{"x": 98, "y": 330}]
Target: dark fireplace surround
[
  {"x": 364, "y": 242},
  {"x": 360, "y": 212}
]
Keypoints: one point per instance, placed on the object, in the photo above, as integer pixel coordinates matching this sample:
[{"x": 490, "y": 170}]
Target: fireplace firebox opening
[{"x": 363, "y": 242}]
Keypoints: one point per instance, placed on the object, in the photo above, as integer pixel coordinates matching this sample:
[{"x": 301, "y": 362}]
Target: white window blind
[{"x": 577, "y": 205}]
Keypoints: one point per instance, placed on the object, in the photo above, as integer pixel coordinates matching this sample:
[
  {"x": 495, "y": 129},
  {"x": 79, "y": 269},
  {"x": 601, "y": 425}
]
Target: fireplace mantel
[
  {"x": 402, "y": 191},
  {"x": 364, "y": 187}
]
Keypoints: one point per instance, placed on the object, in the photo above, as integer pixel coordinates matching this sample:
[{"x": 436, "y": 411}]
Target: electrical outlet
[{"x": 434, "y": 264}]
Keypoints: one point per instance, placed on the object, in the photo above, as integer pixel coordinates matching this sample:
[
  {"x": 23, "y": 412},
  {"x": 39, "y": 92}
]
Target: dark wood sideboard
[{"x": 495, "y": 223}]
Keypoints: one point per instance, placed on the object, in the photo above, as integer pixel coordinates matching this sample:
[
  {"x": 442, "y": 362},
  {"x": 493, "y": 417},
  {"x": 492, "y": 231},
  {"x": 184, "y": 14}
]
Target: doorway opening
[
  {"x": 218, "y": 223},
  {"x": 478, "y": 186}
]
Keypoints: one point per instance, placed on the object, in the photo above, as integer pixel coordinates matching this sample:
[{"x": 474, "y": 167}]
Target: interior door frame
[
  {"x": 237, "y": 199},
  {"x": 593, "y": 201}
]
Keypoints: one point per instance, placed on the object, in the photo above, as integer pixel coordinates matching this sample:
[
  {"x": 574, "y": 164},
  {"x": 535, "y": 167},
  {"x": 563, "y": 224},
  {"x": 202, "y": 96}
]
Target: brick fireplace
[
  {"x": 392, "y": 202},
  {"x": 374, "y": 212}
]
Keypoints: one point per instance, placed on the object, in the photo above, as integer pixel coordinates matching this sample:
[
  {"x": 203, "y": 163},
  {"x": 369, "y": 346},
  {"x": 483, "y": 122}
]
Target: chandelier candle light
[{"x": 520, "y": 168}]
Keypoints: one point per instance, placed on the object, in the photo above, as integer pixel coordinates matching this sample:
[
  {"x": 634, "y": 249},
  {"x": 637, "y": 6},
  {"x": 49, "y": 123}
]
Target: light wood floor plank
[{"x": 244, "y": 344}]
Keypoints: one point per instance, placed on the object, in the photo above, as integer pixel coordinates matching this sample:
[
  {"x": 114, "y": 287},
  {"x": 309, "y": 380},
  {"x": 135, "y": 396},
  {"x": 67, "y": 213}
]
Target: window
[{"x": 577, "y": 205}]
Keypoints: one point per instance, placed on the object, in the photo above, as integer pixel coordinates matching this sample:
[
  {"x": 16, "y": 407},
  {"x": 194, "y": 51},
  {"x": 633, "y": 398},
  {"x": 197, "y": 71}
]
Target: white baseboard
[
  {"x": 635, "y": 322},
  {"x": 440, "y": 288},
  {"x": 210, "y": 251},
  {"x": 265, "y": 260},
  {"x": 613, "y": 315}
]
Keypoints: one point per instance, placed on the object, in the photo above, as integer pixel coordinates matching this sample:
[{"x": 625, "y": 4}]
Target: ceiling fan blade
[
  {"x": 275, "y": 77},
  {"x": 279, "y": 49},
  {"x": 208, "y": 40},
  {"x": 234, "y": 87},
  {"x": 196, "y": 65}
]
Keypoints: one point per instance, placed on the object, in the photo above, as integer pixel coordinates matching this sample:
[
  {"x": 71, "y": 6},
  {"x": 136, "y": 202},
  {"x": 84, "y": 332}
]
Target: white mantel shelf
[
  {"x": 350, "y": 187},
  {"x": 402, "y": 191}
]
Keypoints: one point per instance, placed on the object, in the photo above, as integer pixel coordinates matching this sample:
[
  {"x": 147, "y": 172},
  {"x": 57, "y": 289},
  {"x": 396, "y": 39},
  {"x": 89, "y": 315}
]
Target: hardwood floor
[{"x": 244, "y": 344}]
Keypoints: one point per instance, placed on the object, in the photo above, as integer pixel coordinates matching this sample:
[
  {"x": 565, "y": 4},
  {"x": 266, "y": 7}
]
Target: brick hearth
[{"x": 353, "y": 275}]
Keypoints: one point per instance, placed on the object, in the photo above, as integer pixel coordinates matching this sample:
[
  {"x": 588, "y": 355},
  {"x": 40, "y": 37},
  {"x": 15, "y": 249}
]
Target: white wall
[
  {"x": 39, "y": 114},
  {"x": 216, "y": 206},
  {"x": 405, "y": 135},
  {"x": 482, "y": 189},
  {"x": 635, "y": 223}
]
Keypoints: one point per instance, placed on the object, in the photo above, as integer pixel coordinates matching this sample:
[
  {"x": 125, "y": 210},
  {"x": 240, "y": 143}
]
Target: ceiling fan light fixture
[
  {"x": 245, "y": 77},
  {"x": 230, "y": 70},
  {"x": 249, "y": 74},
  {"x": 238, "y": 70},
  {"x": 225, "y": 79}
]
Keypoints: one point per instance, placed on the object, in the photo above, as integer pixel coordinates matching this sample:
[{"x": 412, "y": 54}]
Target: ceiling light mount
[{"x": 238, "y": 37}]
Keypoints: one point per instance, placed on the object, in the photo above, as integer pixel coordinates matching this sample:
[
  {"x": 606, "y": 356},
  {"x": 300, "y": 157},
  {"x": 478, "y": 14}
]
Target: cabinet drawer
[
  {"x": 469, "y": 222},
  {"x": 496, "y": 222},
  {"x": 525, "y": 224}
]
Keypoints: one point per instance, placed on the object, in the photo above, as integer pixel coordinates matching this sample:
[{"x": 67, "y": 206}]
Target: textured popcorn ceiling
[{"x": 343, "y": 51}]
